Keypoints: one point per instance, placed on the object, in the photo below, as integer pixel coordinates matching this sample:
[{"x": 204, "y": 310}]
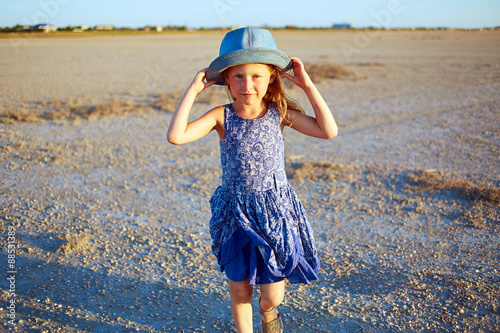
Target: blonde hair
[{"x": 276, "y": 93}]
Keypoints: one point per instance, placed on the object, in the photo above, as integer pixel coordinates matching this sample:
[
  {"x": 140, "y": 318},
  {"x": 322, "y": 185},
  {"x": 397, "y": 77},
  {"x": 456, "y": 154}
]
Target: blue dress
[{"x": 259, "y": 228}]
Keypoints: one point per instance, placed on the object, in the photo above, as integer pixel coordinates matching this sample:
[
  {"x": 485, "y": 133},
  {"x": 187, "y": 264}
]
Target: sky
[{"x": 224, "y": 13}]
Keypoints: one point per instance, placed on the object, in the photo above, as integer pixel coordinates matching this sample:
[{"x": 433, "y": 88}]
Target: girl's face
[{"x": 248, "y": 83}]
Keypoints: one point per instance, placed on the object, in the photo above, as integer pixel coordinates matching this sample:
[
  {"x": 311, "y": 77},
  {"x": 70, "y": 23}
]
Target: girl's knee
[
  {"x": 241, "y": 296},
  {"x": 272, "y": 296},
  {"x": 271, "y": 301},
  {"x": 241, "y": 292}
]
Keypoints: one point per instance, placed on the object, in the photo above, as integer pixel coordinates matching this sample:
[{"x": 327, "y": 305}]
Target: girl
[{"x": 259, "y": 229}]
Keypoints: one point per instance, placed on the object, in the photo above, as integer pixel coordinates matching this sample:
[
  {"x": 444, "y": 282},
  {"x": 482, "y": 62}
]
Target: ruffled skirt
[{"x": 262, "y": 235}]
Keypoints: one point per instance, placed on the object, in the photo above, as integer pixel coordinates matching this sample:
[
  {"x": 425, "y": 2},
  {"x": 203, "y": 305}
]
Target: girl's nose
[{"x": 248, "y": 83}]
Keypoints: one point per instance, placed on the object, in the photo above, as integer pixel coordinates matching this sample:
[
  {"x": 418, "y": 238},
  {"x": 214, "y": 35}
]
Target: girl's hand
[
  {"x": 300, "y": 78},
  {"x": 323, "y": 125},
  {"x": 199, "y": 82},
  {"x": 180, "y": 130}
]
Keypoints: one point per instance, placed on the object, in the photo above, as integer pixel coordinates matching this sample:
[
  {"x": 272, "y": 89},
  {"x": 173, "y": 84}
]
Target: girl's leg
[
  {"x": 271, "y": 296},
  {"x": 241, "y": 306}
]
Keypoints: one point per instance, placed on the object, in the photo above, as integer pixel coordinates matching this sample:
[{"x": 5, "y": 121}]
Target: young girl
[{"x": 259, "y": 229}]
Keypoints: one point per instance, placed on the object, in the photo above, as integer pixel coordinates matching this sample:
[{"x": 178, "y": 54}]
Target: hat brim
[{"x": 241, "y": 57}]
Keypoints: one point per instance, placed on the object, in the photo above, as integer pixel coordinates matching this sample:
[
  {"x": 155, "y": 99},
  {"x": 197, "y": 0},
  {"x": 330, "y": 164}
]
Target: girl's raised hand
[
  {"x": 199, "y": 82},
  {"x": 300, "y": 77}
]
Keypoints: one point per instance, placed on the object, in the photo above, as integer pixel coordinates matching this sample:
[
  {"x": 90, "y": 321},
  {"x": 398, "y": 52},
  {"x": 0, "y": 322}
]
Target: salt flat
[{"x": 112, "y": 221}]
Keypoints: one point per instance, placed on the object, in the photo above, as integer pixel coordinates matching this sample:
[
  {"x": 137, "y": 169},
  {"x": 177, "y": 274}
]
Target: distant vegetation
[
  {"x": 16, "y": 28},
  {"x": 47, "y": 28}
]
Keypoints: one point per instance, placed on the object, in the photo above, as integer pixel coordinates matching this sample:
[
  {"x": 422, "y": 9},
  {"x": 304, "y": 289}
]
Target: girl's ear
[
  {"x": 273, "y": 72},
  {"x": 272, "y": 78}
]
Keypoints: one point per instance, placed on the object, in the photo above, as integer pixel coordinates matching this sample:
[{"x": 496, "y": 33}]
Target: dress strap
[{"x": 226, "y": 117}]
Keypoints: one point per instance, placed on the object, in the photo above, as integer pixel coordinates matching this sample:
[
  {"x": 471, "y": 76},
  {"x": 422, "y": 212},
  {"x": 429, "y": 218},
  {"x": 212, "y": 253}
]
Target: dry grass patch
[
  {"x": 483, "y": 212},
  {"x": 435, "y": 181},
  {"x": 481, "y": 216},
  {"x": 322, "y": 71},
  {"x": 216, "y": 95},
  {"x": 22, "y": 116},
  {"x": 167, "y": 102},
  {"x": 57, "y": 110},
  {"x": 102, "y": 110},
  {"x": 74, "y": 243},
  {"x": 322, "y": 171}
]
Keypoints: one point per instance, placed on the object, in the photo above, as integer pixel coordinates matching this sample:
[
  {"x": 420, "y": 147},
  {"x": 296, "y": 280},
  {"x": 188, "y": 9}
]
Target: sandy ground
[{"x": 109, "y": 222}]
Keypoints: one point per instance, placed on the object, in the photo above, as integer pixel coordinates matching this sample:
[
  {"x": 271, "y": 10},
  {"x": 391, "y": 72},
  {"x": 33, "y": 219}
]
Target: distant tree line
[
  {"x": 24, "y": 28},
  {"x": 16, "y": 28}
]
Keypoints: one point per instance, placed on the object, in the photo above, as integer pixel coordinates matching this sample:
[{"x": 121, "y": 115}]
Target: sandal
[{"x": 275, "y": 326}]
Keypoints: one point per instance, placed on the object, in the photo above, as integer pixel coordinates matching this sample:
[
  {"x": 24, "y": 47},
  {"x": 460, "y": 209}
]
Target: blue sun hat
[{"x": 247, "y": 46}]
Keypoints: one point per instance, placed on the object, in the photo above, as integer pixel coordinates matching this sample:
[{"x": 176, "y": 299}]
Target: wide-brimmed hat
[{"x": 247, "y": 46}]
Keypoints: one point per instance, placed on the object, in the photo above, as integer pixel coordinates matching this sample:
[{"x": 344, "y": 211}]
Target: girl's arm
[
  {"x": 323, "y": 125},
  {"x": 180, "y": 131}
]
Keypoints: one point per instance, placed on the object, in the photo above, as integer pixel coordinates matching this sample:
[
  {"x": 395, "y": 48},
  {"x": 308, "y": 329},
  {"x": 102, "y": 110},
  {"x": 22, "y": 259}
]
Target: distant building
[
  {"x": 105, "y": 27},
  {"x": 158, "y": 28},
  {"x": 343, "y": 26},
  {"x": 44, "y": 27},
  {"x": 81, "y": 28}
]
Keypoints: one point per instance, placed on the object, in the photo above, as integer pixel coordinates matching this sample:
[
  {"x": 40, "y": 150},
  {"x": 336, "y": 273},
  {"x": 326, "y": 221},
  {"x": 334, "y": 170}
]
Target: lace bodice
[{"x": 252, "y": 151}]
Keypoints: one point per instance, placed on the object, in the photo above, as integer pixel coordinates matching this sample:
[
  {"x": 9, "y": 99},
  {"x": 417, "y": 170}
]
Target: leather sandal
[{"x": 275, "y": 326}]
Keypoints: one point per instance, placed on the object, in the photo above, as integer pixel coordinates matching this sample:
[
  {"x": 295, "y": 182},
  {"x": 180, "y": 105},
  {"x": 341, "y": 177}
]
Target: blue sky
[{"x": 210, "y": 13}]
